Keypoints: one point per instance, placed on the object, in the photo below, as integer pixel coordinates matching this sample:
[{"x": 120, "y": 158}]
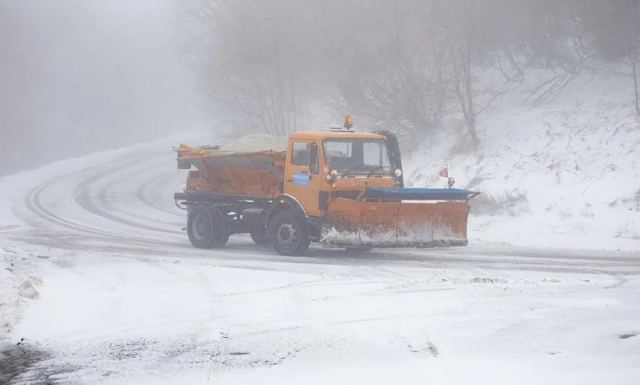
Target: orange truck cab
[{"x": 338, "y": 187}]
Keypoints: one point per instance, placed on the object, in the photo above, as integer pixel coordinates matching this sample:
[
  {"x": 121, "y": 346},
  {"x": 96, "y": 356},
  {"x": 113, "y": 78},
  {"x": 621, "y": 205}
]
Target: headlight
[{"x": 398, "y": 173}]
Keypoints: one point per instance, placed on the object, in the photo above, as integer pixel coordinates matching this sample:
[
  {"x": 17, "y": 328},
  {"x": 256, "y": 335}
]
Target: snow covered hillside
[{"x": 562, "y": 173}]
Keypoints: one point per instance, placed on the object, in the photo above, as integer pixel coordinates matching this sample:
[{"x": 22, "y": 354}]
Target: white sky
[{"x": 97, "y": 72}]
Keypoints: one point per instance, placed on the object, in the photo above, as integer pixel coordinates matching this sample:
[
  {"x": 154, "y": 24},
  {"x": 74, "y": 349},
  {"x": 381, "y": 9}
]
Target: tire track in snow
[
  {"x": 82, "y": 196},
  {"x": 168, "y": 177},
  {"x": 105, "y": 198},
  {"x": 142, "y": 195},
  {"x": 34, "y": 203}
]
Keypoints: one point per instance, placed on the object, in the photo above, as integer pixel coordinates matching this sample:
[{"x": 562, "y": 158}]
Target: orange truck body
[{"x": 341, "y": 205}]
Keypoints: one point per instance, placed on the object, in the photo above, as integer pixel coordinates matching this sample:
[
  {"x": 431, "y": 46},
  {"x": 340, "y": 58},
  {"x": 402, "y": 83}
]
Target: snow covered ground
[
  {"x": 99, "y": 285},
  {"x": 564, "y": 172}
]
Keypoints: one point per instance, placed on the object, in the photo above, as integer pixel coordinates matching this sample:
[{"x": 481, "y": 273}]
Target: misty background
[
  {"x": 407, "y": 65},
  {"x": 78, "y": 76}
]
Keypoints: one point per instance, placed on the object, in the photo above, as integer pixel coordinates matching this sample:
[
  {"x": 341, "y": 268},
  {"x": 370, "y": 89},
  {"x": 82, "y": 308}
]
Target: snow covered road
[{"x": 99, "y": 284}]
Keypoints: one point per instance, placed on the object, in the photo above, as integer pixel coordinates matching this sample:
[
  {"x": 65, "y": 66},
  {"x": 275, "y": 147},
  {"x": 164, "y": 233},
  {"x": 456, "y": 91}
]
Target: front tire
[
  {"x": 207, "y": 228},
  {"x": 288, "y": 234}
]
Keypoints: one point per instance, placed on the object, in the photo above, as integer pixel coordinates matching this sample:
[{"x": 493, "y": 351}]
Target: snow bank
[
  {"x": 564, "y": 174},
  {"x": 20, "y": 283}
]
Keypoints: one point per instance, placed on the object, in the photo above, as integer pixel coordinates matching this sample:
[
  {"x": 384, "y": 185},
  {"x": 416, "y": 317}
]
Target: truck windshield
[{"x": 357, "y": 156}]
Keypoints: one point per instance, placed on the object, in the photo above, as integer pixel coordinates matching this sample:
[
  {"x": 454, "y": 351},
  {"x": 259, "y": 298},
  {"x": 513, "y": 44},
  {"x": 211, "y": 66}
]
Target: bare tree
[
  {"x": 615, "y": 28},
  {"x": 406, "y": 64},
  {"x": 259, "y": 71},
  {"x": 465, "y": 93}
]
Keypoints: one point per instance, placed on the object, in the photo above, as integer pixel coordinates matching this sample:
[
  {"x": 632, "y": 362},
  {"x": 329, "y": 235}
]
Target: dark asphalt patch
[
  {"x": 16, "y": 360},
  {"x": 24, "y": 363}
]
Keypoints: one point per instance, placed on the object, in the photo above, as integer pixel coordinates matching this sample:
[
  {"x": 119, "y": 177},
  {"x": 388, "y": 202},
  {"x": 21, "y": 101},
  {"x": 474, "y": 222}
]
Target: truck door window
[
  {"x": 313, "y": 158},
  {"x": 300, "y": 154}
]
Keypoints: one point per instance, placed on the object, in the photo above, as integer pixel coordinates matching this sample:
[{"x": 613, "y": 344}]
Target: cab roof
[{"x": 333, "y": 134}]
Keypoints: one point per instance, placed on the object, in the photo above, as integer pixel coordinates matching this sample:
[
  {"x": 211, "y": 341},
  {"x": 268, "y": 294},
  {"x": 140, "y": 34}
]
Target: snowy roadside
[
  {"x": 18, "y": 284},
  {"x": 21, "y": 279},
  {"x": 24, "y": 266},
  {"x": 248, "y": 317},
  {"x": 563, "y": 174}
]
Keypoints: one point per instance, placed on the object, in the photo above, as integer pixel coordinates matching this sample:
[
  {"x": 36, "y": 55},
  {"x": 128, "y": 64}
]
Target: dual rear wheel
[{"x": 208, "y": 228}]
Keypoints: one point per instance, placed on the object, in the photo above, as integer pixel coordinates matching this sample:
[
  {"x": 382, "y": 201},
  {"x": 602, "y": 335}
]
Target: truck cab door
[{"x": 302, "y": 178}]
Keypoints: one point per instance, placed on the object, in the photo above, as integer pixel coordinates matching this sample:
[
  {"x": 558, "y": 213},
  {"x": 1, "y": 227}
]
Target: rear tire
[
  {"x": 207, "y": 228},
  {"x": 288, "y": 234}
]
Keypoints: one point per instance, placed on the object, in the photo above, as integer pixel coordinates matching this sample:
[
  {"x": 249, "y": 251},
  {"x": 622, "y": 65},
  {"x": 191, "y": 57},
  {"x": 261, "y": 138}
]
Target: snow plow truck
[{"x": 339, "y": 187}]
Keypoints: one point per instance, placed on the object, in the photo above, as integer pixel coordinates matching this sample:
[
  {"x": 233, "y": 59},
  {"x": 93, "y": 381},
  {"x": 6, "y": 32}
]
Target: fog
[
  {"x": 413, "y": 66},
  {"x": 77, "y": 76}
]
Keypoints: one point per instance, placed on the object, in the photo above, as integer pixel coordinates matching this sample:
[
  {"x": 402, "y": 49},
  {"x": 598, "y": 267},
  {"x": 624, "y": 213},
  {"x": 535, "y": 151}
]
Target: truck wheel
[
  {"x": 260, "y": 237},
  {"x": 287, "y": 233},
  {"x": 207, "y": 228}
]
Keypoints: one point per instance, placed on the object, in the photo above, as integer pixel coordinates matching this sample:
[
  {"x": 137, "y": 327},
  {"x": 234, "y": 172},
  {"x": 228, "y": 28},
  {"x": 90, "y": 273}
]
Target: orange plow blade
[
  {"x": 432, "y": 224},
  {"x": 352, "y": 223}
]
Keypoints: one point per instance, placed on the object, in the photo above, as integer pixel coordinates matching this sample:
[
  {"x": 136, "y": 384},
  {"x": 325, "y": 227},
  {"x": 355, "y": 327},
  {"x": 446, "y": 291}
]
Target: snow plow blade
[{"x": 399, "y": 217}]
